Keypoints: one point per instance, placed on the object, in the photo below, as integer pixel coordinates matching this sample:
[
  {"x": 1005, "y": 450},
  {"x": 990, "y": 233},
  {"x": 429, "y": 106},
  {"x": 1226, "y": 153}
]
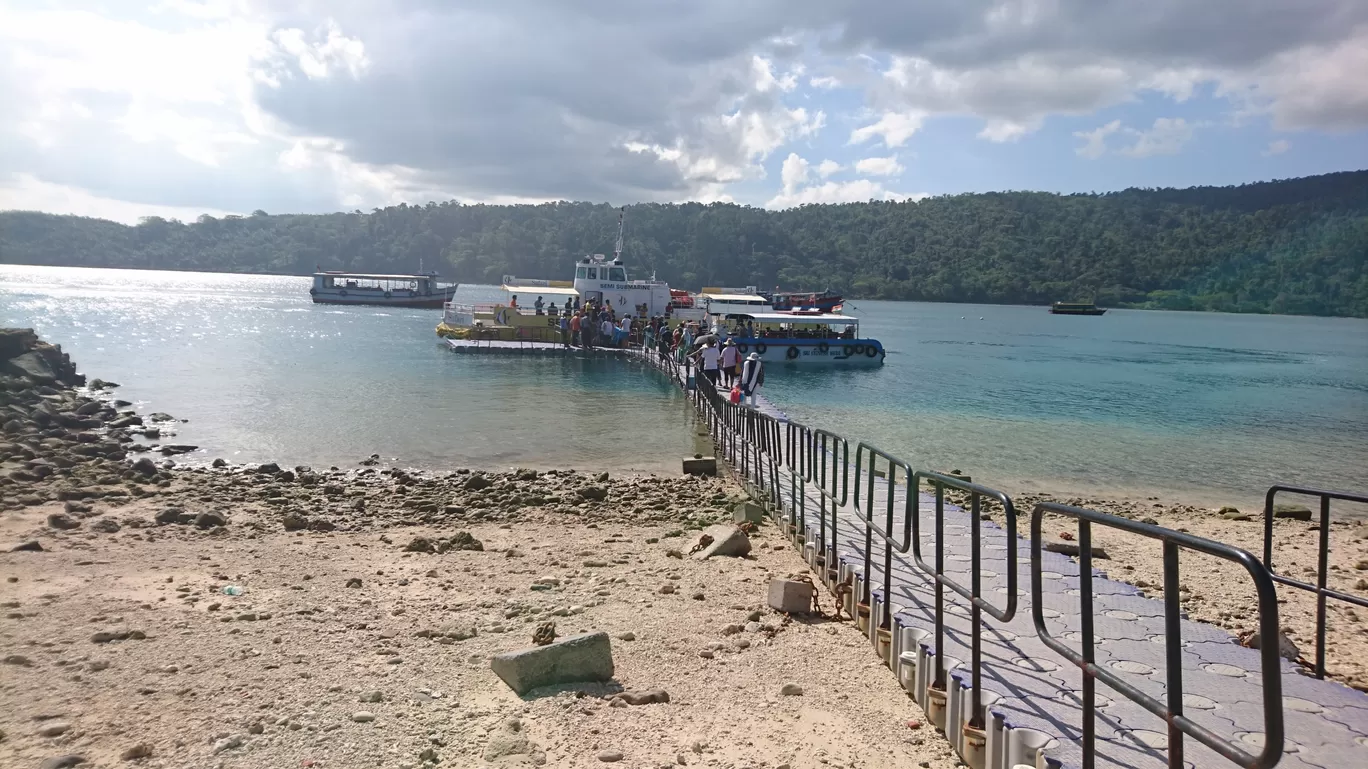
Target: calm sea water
[{"x": 1198, "y": 406}]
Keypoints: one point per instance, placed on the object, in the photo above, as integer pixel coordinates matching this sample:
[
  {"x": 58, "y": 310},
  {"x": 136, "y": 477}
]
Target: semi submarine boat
[{"x": 534, "y": 308}]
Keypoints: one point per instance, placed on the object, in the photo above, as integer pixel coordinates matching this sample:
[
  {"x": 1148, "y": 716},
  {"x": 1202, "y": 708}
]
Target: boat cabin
[
  {"x": 363, "y": 284},
  {"x": 787, "y": 325}
]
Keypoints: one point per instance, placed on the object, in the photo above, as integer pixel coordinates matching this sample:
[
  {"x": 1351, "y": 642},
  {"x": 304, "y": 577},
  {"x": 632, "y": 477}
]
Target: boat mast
[{"x": 617, "y": 247}]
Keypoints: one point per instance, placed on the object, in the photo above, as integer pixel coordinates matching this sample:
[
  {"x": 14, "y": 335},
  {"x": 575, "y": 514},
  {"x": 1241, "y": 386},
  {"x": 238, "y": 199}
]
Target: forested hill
[{"x": 1295, "y": 246}]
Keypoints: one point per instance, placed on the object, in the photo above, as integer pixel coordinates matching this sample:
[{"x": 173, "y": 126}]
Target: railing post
[
  {"x": 1085, "y": 600},
  {"x": 1173, "y": 641}
]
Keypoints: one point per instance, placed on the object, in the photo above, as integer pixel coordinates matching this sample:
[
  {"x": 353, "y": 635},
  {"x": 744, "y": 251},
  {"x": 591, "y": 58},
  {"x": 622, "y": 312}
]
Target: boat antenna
[{"x": 617, "y": 248}]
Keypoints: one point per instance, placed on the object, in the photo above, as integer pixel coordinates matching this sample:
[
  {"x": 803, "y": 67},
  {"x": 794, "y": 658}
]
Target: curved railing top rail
[
  {"x": 1172, "y": 711},
  {"x": 977, "y": 491}
]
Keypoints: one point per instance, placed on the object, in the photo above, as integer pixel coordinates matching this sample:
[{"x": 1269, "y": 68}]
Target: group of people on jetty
[{"x": 596, "y": 324}]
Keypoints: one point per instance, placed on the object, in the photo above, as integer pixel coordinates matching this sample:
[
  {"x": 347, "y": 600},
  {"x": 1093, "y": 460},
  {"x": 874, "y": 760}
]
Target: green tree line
[{"x": 1297, "y": 246}]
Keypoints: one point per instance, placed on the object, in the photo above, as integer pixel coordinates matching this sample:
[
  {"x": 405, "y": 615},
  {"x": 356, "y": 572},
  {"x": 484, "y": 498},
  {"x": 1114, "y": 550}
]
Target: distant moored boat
[
  {"x": 420, "y": 290},
  {"x": 1075, "y": 308}
]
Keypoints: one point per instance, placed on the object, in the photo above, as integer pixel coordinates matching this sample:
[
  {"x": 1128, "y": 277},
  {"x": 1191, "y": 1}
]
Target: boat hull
[
  {"x": 1093, "y": 311},
  {"x": 841, "y": 352},
  {"x": 375, "y": 299}
]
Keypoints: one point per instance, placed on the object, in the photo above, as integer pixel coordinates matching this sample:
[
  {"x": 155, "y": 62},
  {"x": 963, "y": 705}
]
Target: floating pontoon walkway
[{"x": 879, "y": 550}]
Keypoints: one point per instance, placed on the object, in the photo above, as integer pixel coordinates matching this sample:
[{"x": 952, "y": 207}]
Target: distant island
[{"x": 1295, "y": 246}]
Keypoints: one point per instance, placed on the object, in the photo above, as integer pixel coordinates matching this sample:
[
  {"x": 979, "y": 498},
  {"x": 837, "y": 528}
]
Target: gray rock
[
  {"x": 1071, "y": 548},
  {"x": 790, "y": 596},
  {"x": 209, "y": 520},
  {"x": 508, "y": 740},
  {"x": 54, "y": 729},
  {"x": 363, "y": 716},
  {"x": 228, "y": 743},
  {"x": 596, "y": 493},
  {"x": 727, "y": 540},
  {"x": 61, "y": 762},
  {"x": 1292, "y": 512},
  {"x": 610, "y": 756},
  {"x": 373, "y": 696},
  {"x": 587, "y": 657},
  {"x": 791, "y": 690},
  {"x": 477, "y": 483},
  {"x": 62, "y": 522},
  {"x": 32, "y": 546},
  {"x": 748, "y": 512},
  {"x": 105, "y": 525}
]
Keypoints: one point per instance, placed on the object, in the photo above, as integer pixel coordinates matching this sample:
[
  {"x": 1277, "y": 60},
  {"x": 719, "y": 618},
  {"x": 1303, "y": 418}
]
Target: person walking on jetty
[
  {"x": 564, "y": 327},
  {"x": 731, "y": 362},
  {"x": 626, "y": 327},
  {"x": 709, "y": 357},
  {"x": 539, "y": 305},
  {"x": 575, "y": 329},
  {"x": 752, "y": 377}
]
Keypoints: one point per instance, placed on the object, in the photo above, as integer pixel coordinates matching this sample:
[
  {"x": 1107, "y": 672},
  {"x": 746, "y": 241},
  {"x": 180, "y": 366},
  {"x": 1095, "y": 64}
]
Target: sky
[{"x": 128, "y": 108}]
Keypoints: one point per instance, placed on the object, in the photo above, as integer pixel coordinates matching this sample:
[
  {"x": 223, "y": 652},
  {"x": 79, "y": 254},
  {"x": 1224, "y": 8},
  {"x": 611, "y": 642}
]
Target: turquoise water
[{"x": 1199, "y": 406}]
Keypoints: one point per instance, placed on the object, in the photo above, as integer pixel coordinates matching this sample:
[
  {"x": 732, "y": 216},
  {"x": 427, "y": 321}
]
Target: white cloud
[
  {"x": 1095, "y": 141},
  {"x": 794, "y": 172},
  {"x": 828, "y": 167},
  {"x": 856, "y": 191},
  {"x": 894, "y": 128},
  {"x": 1166, "y": 137},
  {"x": 1277, "y": 147},
  {"x": 825, "y": 82},
  {"x": 888, "y": 166}
]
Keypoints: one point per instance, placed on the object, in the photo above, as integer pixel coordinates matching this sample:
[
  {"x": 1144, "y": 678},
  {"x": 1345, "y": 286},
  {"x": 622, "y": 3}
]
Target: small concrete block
[
  {"x": 587, "y": 657},
  {"x": 748, "y": 512},
  {"x": 700, "y": 466},
  {"x": 790, "y": 596},
  {"x": 727, "y": 540},
  {"x": 1292, "y": 512}
]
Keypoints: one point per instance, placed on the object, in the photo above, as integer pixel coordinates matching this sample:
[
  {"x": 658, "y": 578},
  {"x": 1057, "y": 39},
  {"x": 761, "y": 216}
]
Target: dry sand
[{"x": 276, "y": 677}]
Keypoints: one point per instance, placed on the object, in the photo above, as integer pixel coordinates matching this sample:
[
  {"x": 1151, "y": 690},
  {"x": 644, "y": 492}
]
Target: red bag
[{"x": 735, "y": 394}]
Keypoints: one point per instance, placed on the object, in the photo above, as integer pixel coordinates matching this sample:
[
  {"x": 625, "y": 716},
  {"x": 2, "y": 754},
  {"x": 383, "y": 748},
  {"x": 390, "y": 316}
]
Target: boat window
[
  {"x": 579, "y": 272},
  {"x": 619, "y": 274},
  {"x": 593, "y": 273}
]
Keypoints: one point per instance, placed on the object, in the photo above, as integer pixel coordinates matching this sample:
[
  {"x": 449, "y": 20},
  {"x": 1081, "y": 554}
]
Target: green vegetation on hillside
[{"x": 1296, "y": 246}]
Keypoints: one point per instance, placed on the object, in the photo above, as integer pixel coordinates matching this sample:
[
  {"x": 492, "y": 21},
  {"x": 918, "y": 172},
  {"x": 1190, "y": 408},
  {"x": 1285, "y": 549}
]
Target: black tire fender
[{"x": 792, "y": 353}]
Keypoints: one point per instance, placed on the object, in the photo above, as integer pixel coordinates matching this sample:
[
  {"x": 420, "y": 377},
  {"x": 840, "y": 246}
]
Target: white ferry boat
[
  {"x": 798, "y": 337},
  {"x": 421, "y": 290}
]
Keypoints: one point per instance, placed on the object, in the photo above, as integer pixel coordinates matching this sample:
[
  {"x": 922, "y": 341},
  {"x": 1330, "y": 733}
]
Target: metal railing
[
  {"x": 1171, "y": 711},
  {"x": 758, "y": 446},
  {"x": 1322, "y": 561},
  {"x": 973, "y": 593}
]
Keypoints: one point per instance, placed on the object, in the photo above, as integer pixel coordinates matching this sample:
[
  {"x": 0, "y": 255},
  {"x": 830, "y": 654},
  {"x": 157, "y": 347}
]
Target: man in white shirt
[
  {"x": 710, "y": 356},
  {"x": 607, "y": 331},
  {"x": 752, "y": 376},
  {"x": 627, "y": 328}
]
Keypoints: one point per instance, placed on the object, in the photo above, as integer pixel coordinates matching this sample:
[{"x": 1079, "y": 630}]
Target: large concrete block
[
  {"x": 700, "y": 466},
  {"x": 748, "y": 512},
  {"x": 727, "y": 540},
  {"x": 587, "y": 657},
  {"x": 790, "y": 596}
]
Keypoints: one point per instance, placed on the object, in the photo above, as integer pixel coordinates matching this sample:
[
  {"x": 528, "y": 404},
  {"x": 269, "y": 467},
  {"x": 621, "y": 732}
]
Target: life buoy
[
  {"x": 387, "y": 294},
  {"x": 501, "y": 317},
  {"x": 848, "y": 350},
  {"x": 823, "y": 347},
  {"x": 743, "y": 348},
  {"x": 343, "y": 292},
  {"x": 859, "y": 349},
  {"x": 313, "y": 292},
  {"x": 761, "y": 348},
  {"x": 871, "y": 351},
  {"x": 792, "y": 353}
]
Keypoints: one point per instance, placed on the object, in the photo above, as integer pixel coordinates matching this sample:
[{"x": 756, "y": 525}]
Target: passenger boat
[
  {"x": 597, "y": 279},
  {"x": 824, "y": 301},
  {"x": 1076, "y": 308},
  {"x": 799, "y": 337},
  {"x": 420, "y": 290}
]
